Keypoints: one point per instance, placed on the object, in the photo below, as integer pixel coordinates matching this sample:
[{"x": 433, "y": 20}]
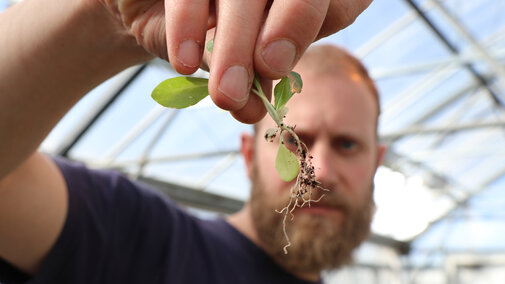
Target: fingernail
[
  {"x": 234, "y": 83},
  {"x": 189, "y": 53},
  {"x": 280, "y": 55}
]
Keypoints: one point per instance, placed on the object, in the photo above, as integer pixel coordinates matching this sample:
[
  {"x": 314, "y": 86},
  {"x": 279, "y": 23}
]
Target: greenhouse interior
[{"x": 439, "y": 67}]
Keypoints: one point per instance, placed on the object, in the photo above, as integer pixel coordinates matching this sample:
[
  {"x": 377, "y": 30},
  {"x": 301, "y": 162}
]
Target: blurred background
[{"x": 440, "y": 194}]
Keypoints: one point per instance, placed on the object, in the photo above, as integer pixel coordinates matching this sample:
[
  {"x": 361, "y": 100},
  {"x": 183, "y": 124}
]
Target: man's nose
[{"x": 324, "y": 162}]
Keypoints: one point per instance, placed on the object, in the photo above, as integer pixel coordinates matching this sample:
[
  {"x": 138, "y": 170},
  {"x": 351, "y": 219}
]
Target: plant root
[{"x": 300, "y": 194}]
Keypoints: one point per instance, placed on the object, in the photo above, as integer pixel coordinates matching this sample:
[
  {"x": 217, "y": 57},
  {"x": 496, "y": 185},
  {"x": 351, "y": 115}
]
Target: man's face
[{"x": 335, "y": 116}]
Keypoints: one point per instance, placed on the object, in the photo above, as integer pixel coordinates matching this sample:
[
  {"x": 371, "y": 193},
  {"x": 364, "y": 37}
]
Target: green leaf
[
  {"x": 210, "y": 45},
  {"x": 271, "y": 133},
  {"x": 286, "y": 88},
  {"x": 282, "y": 93},
  {"x": 296, "y": 82},
  {"x": 181, "y": 92},
  {"x": 286, "y": 164}
]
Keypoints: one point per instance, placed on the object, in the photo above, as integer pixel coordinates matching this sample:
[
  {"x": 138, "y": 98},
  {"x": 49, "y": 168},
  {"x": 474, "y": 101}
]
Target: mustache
[
  {"x": 333, "y": 198},
  {"x": 326, "y": 196}
]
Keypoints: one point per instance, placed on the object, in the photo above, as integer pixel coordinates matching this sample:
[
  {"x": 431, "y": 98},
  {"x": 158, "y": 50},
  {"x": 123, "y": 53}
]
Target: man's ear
[
  {"x": 381, "y": 154},
  {"x": 247, "y": 151}
]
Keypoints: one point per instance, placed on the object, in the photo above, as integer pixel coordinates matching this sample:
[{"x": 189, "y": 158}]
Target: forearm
[{"x": 50, "y": 59}]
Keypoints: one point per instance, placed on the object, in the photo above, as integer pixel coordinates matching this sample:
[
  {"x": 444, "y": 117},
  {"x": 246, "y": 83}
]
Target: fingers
[
  {"x": 185, "y": 28},
  {"x": 291, "y": 26},
  {"x": 254, "y": 110},
  {"x": 207, "y": 55},
  {"x": 145, "y": 21},
  {"x": 232, "y": 71},
  {"x": 288, "y": 27},
  {"x": 341, "y": 13},
  {"x": 211, "y": 22}
]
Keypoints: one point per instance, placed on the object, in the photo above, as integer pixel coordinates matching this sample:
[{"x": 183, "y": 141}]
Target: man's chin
[
  {"x": 322, "y": 236},
  {"x": 330, "y": 214},
  {"x": 316, "y": 244}
]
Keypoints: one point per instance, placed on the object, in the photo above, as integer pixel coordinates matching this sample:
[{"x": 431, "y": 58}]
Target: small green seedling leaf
[
  {"x": 286, "y": 88},
  {"x": 181, "y": 92},
  {"x": 210, "y": 45},
  {"x": 282, "y": 93},
  {"x": 271, "y": 133},
  {"x": 296, "y": 82},
  {"x": 286, "y": 164}
]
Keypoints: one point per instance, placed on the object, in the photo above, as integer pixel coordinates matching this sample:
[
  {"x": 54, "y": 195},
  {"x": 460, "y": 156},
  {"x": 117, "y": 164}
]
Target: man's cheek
[{"x": 269, "y": 175}]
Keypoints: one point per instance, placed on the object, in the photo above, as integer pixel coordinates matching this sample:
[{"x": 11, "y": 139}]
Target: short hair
[
  {"x": 328, "y": 59},
  {"x": 324, "y": 59}
]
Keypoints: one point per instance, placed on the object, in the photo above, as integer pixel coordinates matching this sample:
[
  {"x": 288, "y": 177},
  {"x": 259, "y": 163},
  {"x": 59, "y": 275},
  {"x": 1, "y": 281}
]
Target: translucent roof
[{"x": 439, "y": 68}]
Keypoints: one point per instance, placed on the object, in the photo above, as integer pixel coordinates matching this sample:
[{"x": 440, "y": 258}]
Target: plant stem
[
  {"x": 273, "y": 112},
  {"x": 270, "y": 108}
]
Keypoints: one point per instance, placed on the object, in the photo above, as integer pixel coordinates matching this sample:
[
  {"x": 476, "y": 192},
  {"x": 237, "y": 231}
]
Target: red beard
[{"x": 318, "y": 242}]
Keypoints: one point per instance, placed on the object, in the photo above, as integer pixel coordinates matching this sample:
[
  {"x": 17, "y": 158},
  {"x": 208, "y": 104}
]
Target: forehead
[{"x": 338, "y": 102}]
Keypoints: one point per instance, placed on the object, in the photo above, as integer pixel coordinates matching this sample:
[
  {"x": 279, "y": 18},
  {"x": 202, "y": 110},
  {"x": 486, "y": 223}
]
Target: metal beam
[
  {"x": 481, "y": 80},
  {"x": 194, "y": 197},
  {"x": 401, "y": 247},
  {"x": 454, "y": 50},
  {"x": 445, "y": 182},
  {"x": 467, "y": 58},
  {"x": 482, "y": 187},
  {"x": 457, "y": 115},
  {"x": 493, "y": 64},
  {"x": 493, "y": 177},
  {"x": 459, "y": 203},
  {"x": 154, "y": 140},
  {"x": 166, "y": 159},
  {"x": 417, "y": 91},
  {"x": 138, "y": 129},
  {"x": 446, "y": 102},
  {"x": 420, "y": 130},
  {"x": 214, "y": 172},
  {"x": 386, "y": 34},
  {"x": 457, "y": 153},
  {"x": 120, "y": 84}
]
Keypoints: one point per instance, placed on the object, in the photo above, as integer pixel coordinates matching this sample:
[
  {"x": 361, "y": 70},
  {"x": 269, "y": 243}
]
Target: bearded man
[
  {"x": 61, "y": 222},
  {"x": 336, "y": 115}
]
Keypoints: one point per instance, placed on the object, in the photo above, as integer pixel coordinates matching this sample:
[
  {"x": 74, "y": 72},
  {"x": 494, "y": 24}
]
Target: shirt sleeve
[{"x": 115, "y": 232}]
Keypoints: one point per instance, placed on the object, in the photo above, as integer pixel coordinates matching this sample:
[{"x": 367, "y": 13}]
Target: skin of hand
[{"x": 263, "y": 36}]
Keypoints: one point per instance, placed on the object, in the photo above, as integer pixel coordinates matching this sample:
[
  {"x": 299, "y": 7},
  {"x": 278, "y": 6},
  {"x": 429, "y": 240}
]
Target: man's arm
[
  {"x": 33, "y": 206},
  {"x": 56, "y": 51}
]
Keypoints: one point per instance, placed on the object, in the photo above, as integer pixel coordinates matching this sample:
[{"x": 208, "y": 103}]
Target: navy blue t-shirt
[{"x": 118, "y": 231}]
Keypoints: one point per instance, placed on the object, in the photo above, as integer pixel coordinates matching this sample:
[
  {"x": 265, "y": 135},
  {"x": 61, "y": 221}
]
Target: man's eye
[{"x": 347, "y": 144}]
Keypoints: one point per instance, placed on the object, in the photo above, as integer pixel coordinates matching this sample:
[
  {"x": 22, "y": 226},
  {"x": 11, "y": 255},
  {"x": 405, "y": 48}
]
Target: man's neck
[{"x": 243, "y": 222}]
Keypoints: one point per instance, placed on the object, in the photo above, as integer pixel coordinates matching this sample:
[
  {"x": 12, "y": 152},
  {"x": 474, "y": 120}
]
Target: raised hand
[{"x": 267, "y": 37}]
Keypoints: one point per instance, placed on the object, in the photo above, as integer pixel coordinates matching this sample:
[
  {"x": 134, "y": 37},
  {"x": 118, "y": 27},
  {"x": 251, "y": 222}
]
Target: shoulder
[
  {"x": 107, "y": 186},
  {"x": 112, "y": 221},
  {"x": 114, "y": 206}
]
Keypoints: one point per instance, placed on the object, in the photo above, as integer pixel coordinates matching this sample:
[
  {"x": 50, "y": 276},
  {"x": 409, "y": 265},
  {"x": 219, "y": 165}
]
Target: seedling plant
[{"x": 182, "y": 92}]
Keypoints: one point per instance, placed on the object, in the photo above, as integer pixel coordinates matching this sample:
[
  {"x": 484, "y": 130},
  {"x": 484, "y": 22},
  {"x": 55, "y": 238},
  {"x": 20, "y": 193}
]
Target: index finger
[
  {"x": 231, "y": 70},
  {"x": 291, "y": 26}
]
